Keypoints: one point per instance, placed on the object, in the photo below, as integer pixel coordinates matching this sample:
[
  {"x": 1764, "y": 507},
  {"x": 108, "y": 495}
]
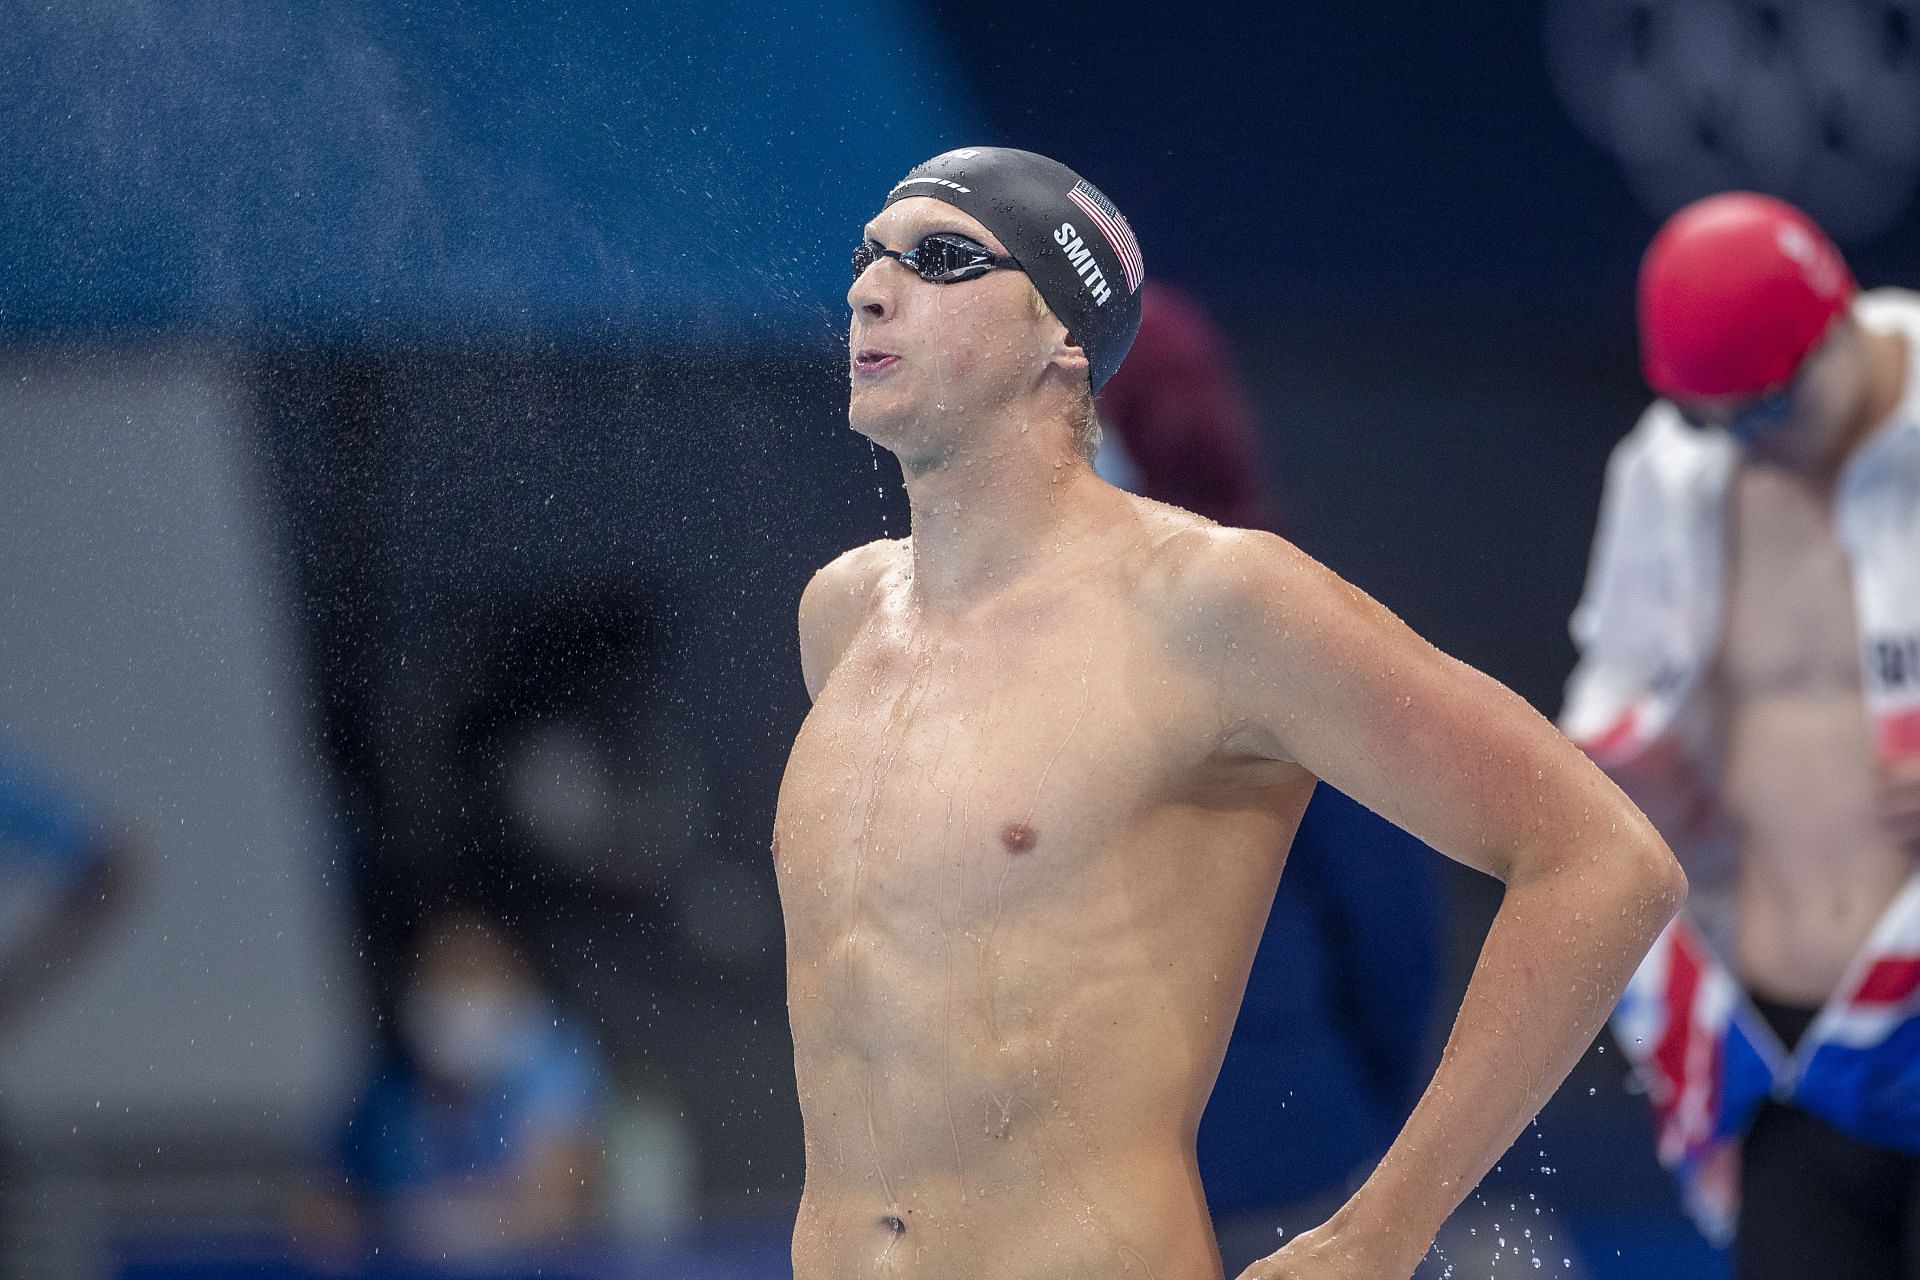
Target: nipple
[{"x": 1018, "y": 837}]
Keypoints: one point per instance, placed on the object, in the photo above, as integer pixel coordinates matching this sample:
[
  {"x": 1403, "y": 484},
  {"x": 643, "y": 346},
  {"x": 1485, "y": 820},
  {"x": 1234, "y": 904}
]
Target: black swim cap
[{"x": 1069, "y": 239}]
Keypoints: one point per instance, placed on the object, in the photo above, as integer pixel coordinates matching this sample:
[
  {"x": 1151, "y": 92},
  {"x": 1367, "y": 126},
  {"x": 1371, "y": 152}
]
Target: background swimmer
[{"x": 1754, "y": 597}]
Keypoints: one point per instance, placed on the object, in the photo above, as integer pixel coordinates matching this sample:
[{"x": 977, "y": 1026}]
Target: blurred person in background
[
  {"x": 63, "y": 875},
  {"x": 1061, "y": 737},
  {"x": 1177, "y": 425},
  {"x": 479, "y": 1133},
  {"x": 1325, "y": 1057},
  {"x": 1750, "y": 673}
]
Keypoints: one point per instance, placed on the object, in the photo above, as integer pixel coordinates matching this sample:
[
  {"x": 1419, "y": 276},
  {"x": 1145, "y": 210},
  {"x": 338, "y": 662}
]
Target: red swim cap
[{"x": 1735, "y": 291}]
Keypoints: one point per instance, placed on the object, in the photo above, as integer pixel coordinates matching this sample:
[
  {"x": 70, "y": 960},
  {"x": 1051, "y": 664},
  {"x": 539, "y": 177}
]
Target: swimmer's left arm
[{"x": 1309, "y": 669}]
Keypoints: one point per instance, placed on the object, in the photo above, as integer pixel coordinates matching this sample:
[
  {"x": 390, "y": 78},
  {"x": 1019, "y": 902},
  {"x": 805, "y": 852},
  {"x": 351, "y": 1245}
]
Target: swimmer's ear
[{"x": 1070, "y": 356}]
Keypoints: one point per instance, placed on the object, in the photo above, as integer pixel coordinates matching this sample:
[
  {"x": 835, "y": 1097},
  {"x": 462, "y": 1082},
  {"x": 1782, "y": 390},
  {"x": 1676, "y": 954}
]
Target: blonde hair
[
  {"x": 1086, "y": 426},
  {"x": 1086, "y": 419}
]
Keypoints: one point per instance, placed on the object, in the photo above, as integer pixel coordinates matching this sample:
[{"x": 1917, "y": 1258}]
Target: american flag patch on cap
[{"x": 1114, "y": 228}]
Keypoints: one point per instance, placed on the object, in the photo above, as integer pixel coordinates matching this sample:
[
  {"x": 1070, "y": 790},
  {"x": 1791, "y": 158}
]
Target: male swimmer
[
  {"x": 1750, "y": 671},
  {"x": 1027, "y": 836}
]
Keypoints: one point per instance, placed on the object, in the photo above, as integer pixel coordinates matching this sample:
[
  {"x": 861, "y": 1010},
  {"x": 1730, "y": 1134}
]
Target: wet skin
[
  {"x": 1024, "y": 872},
  {"x": 1817, "y": 866},
  {"x": 1025, "y": 850}
]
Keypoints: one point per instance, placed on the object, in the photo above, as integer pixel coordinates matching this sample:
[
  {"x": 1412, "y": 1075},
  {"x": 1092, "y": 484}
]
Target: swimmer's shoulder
[
  {"x": 1200, "y": 571},
  {"x": 839, "y": 599},
  {"x": 1274, "y": 634},
  {"x": 1215, "y": 588}
]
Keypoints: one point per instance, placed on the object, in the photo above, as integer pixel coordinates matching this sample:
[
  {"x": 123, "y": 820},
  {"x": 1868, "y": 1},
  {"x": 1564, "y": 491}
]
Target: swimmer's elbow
[
  {"x": 1656, "y": 874},
  {"x": 1677, "y": 890},
  {"x": 1635, "y": 868},
  {"x": 1664, "y": 881},
  {"x": 1647, "y": 879}
]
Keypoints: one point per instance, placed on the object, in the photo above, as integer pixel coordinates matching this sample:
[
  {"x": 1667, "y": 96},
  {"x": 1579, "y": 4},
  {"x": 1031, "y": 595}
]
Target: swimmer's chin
[
  {"x": 885, "y": 420},
  {"x": 916, "y": 454}
]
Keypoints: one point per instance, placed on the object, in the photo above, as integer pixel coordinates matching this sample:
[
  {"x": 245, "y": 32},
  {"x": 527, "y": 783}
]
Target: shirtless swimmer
[{"x": 1061, "y": 737}]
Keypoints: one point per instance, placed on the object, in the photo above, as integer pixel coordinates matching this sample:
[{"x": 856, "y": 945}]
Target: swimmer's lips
[{"x": 868, "y": 361}]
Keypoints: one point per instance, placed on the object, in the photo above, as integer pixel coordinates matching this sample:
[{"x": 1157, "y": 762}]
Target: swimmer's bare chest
[
  {"x": 1817, "y": 867},
  {"x": 956, "y": 787},
  {"x": 1020, "y": 898}
]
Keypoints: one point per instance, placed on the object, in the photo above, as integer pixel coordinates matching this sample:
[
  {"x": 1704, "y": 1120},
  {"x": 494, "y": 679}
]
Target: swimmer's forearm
[{"x": 1567, "y": 937}]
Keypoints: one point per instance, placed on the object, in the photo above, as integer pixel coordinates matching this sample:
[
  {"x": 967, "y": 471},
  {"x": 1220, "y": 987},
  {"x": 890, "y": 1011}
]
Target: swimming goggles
[
  {"x": 1753, "y": 421},
  {"x": 940, "y": 258}
]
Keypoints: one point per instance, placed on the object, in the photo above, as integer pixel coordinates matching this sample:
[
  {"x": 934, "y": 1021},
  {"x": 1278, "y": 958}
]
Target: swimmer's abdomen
[
  {"x": 1021, "y": 1033},
  {"x": 1147, "y": 1223},
  {"x": 995, "y": 999}
]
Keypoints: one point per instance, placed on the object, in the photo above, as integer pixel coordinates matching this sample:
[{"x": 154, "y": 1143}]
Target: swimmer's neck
[{"x": 982, "y": 519}]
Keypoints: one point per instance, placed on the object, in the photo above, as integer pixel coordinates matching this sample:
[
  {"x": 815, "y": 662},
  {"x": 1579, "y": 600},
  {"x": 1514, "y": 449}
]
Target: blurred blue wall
[{"x": 363, "y": 171}]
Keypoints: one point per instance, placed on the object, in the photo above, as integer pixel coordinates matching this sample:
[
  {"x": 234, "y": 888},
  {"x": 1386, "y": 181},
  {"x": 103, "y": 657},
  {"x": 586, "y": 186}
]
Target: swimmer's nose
[{"x": 872, "y": 292}]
